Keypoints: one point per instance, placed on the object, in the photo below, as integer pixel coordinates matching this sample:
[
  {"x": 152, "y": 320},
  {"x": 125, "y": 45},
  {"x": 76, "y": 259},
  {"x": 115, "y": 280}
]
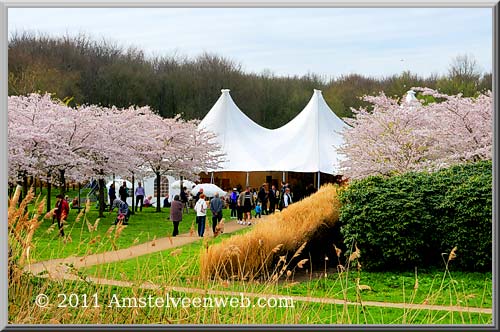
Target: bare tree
[{"x": 464, "y": 67}]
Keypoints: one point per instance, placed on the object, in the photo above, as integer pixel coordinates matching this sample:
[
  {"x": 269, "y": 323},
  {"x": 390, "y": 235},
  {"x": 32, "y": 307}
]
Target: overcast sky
[{"x": 286, "y": 41}]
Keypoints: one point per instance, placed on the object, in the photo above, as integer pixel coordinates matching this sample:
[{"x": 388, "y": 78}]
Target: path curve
[{"x": 56, "y": 266}]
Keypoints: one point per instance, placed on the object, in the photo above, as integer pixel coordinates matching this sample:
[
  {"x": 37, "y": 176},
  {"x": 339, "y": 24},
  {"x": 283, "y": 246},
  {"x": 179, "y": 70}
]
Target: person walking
[
  {"x": 273, "y": 198},
  {"x": 246, "y": 203},
  {"x": 216, "y": 206},
  {"x": 61, "y": 213},
  {"x": 176, "y": 214},
  {"x": 139, "y": 196},
  {"x": 233, "y": 203},
  {"x": 123, "y": 192},
  {"x": 262, "y": 196},
  {"x": 112, "y": 193},
  {"x": 201, "y": 214}
]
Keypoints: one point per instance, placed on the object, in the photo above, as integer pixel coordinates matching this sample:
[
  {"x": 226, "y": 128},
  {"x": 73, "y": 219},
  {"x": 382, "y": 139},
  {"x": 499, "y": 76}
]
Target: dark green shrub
[{"x": 410, "y": 220}]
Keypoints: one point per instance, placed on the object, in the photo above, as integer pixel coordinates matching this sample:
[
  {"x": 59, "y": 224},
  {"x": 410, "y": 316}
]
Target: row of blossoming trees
[
  {"x": 57, "y": 143},
  {"x": 427, "y": 134}
]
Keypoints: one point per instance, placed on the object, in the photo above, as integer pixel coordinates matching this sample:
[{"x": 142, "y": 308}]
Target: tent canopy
[{"x": 308, "y": 143}]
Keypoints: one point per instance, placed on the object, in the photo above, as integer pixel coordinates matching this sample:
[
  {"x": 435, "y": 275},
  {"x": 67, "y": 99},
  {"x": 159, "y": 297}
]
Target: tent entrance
[{"x": 299, "y": 181}]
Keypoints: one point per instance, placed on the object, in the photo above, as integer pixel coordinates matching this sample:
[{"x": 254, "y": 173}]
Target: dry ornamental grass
[{"x": 251, "y": 255}]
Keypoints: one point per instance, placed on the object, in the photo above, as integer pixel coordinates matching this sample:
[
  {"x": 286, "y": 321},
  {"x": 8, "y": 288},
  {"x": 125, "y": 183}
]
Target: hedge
[{"x": 413, "y": 219}]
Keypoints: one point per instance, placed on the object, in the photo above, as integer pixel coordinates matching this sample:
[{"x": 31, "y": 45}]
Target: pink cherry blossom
[{"x": 395, "y": 138}]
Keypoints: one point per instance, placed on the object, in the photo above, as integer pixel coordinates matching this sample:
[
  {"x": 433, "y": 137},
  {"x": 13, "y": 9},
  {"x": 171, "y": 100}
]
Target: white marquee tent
[{"x": 308, "y": 143}]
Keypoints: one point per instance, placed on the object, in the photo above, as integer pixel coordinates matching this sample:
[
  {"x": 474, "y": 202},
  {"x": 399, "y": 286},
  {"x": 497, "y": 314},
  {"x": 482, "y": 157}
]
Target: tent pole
[
  {"x": 248, "y": 183},
  {"x": 283, "y": 177},
  {"x": 319, "y": 175},
  {"x": 212, "y": 178}
]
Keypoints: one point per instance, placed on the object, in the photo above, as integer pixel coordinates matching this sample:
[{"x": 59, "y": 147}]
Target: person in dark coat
[
  {"x": 262, "y": 196},
  {"x": 112, "y": 194},
  {"x": 198, "y": 194},
  {"x": 176, "y": 214},
  {"x": 216, "y": 206},
  {"x": 184, "y": 199},
  {"x": 273, "y": 199},
  {"x": 123, "y": 192}
]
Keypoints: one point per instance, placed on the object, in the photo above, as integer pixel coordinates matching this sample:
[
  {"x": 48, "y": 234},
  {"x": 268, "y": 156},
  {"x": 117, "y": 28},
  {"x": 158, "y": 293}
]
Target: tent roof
[{"x": 307, "y": 143}]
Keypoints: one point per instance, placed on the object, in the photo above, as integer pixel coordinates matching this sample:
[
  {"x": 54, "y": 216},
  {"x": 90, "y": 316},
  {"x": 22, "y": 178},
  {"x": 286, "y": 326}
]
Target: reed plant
[{"x": 258, "y": 253}]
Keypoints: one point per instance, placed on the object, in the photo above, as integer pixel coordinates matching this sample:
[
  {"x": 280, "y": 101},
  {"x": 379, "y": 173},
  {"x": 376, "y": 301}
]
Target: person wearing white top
[{"x": 201, "y": 214}]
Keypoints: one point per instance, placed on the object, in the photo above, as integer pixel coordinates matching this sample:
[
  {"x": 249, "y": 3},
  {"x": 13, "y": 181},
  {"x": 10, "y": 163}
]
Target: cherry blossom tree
[
  {"x": 56, "y": 142},
  {"x": 413, "y": 136},
  {"x": 34, "y": 144},
  {"x": 175, "y": 147}
]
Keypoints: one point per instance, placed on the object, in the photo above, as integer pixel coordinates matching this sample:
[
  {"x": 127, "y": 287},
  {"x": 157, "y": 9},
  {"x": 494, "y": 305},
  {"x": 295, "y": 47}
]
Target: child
[{"x": 258, "y": 210}]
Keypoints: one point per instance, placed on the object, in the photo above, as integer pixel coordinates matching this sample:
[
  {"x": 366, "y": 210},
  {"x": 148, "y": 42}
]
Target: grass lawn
[
  {"x": 180, "y": 267},
  {"x": 143, "y": 226},
  {"x": 23, "y": 311}
]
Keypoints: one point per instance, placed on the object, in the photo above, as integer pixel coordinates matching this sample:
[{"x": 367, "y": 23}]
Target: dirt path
[
  {"x": 59, "y": 269},
  {"x": 55, "y": 267}
]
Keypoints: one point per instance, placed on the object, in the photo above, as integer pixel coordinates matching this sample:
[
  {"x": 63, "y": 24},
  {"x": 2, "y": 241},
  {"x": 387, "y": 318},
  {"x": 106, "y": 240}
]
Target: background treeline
[{"x": 101, "y": 72}]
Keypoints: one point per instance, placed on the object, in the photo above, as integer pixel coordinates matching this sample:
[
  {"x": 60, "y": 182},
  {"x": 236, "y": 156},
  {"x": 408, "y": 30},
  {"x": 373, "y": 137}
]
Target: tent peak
[
  {"x": 317, "y": 91},
  {"x": 225, "y": 90}
]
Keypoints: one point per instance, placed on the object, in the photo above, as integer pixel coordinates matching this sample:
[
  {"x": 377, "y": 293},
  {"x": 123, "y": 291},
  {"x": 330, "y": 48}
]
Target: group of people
[
  {"x": 180, "y": 204},
  {"x": 262, "y": 202}
]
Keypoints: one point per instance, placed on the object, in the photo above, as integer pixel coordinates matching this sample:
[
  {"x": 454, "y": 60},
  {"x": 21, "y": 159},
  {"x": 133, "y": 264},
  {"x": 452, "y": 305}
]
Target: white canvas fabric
[
  {"x": 410, "y": 97},
  {"x": 209, "y": 189},
  {"x": 308, "y": 143}
]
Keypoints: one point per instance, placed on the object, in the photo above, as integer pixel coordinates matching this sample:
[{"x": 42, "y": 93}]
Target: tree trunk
[
  {"x": 102, "y": 190},
  {"x": 158, "y": 192},
  {"x": 41, "y": 186},
  {"x": 49, "y": 188},
  {"x": 133, "y": 194},
  {"x": 25, "y": 184},
  {"x": 11, "y": 189},
  {"x": 79, "y": 199},
  {"x": 181, "y": 186},
  {"x": 33, "y": 184},
  {"x": 62, "y": 181}
]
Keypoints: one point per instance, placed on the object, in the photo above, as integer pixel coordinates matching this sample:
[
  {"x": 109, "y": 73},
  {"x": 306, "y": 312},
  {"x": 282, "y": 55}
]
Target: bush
[{"x": 410, "y": 220}]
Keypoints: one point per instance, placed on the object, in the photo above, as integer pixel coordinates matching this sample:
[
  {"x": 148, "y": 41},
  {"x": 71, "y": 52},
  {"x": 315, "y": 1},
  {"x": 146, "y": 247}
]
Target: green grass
[
  {"x": 22, "y": 309},
  {"x": 177, "y": 266},
  {"x": 434, "y": 287},
  {"x": 180, "y": 267},
  {"x": 143, "y": 226}
]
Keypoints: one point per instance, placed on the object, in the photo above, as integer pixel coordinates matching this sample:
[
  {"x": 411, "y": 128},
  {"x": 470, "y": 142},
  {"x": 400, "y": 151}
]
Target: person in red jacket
[{"x": 61, "y": 212}]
